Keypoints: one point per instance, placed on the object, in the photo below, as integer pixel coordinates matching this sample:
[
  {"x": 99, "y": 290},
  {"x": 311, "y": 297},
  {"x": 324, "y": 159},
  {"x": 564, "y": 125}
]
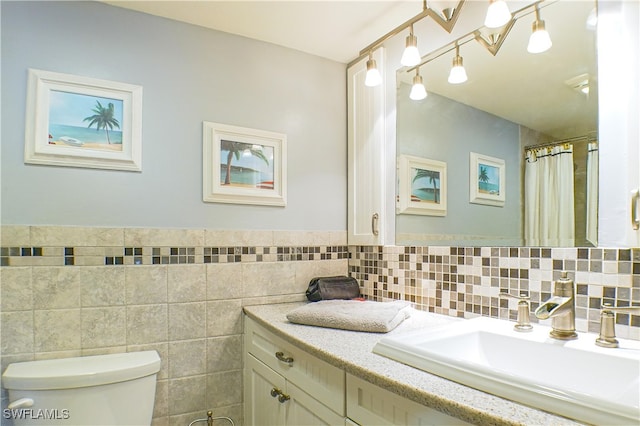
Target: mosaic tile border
[
  {"x": 118, "y": 256},
  {"x": 466, "y": 281}
]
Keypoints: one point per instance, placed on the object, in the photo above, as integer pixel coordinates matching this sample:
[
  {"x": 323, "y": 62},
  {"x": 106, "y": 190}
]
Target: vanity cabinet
[
  {"x": 368, "y": 404},
  {"x": 366, "y": 156},
  {"x": 284, "y": 385}
]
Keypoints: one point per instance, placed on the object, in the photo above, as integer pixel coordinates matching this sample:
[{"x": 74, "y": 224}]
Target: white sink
[{"x": 575, "y": 378}]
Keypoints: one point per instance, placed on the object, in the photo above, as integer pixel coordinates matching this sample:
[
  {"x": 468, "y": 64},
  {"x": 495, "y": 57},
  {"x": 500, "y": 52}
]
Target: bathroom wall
[
  {"x": 465, "y": 281},
  {"x": 72, "y": 291},
  {"x": 189, "y": 74},
  {"x": 95, "y": 261}
]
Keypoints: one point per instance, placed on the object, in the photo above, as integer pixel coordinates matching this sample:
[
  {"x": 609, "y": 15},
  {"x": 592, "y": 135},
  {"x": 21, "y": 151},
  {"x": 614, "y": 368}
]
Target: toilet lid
[{"x": 80, "y": 372}]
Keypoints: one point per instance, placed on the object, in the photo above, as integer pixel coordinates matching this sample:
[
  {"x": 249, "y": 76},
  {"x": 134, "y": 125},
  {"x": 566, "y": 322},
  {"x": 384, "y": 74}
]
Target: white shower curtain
[
  {"x": 592, "y": 193},
  {"x": 549, "y": 218}
]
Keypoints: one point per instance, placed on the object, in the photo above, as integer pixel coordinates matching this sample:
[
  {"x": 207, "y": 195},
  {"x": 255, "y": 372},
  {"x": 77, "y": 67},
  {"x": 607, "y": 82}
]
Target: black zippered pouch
[{"x": 338, "y": 287}]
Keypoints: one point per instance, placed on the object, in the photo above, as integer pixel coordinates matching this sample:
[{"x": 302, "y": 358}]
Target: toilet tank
[{"x": 114, "y": 389}]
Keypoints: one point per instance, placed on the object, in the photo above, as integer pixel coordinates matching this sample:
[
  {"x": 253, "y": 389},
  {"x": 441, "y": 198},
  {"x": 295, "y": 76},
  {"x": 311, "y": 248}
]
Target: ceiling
[
  {"x": 333, "y": 29},
  {"x": 520, "y": 87}
]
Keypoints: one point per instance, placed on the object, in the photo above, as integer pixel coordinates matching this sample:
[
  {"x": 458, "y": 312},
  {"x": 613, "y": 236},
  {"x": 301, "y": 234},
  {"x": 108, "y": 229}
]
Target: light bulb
[
  {"x": 540, "y": 41},
  {"x": 411, "y": 55},
  {"x": 458, "y": 74},
  {"x": 418, "y": 92},
  {"x": 497, "y": 14},
  {"x": 373, "y": 77}
]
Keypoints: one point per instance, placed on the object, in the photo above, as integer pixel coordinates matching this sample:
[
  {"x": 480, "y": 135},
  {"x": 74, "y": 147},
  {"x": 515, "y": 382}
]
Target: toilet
[{"x": 114, "y": 389}]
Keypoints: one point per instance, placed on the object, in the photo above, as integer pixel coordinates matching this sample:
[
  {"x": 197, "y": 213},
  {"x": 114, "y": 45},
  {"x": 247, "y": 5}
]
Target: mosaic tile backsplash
[
  {"x": 466, "y": 281},
  {"x": 72, "y": 291}
]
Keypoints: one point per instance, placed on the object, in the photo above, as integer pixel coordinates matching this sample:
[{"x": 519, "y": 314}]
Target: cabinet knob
[
  {"x": 283, "y": 398},
  {"x": 275, "y": 392},
  {"x": 281, "y": 357}
]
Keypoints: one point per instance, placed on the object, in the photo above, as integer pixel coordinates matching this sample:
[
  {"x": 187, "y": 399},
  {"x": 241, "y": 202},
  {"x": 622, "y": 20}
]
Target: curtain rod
[{"x": 588, "y": 138}]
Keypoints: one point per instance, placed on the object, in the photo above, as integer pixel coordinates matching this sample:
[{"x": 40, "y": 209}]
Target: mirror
[{"x": 511, "y": 101}]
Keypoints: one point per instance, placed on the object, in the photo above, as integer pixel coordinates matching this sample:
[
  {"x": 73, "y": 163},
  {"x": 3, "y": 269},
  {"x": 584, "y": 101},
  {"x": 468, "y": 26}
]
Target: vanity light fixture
[
  {"x": 373, "y": 77},
  {"x": 457, "y": 74},
  {"x": 411, "y": 55},
  {"x": 497, "y": 14},
  {"x": 539, "y": 41},
  {"x": 418, "y": 92}
]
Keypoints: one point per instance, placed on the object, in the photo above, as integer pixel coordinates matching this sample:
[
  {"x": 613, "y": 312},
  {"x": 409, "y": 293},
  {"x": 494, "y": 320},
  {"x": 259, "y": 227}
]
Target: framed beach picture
[
  {"x": 79, "y": 121},
  {"x": 486, "y": 180},
  {"x": 244, "y": 166},
  {"x": 422, "y": 186}
]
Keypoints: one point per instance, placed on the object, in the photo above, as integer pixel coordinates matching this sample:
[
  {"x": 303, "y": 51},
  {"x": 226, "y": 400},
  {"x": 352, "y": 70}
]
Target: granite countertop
[{"x": 352, "y": 352}]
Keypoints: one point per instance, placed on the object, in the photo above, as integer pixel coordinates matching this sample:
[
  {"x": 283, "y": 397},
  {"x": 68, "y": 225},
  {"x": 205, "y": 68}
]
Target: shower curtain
[
  {"x": 549, "y": 208},
  {"x": 592, "y": 193}
]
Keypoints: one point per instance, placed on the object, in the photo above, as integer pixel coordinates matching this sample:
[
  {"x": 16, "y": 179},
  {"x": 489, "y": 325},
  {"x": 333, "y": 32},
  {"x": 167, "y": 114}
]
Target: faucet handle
[
  {"x": 523, "y": 296},
  {"x": 607, "y": 337},
  {"x": 523, "y": 323},
  {"x": 622, "y": 309}
]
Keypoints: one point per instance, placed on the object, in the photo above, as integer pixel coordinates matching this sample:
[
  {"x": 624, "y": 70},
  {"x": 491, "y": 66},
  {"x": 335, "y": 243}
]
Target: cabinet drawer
[
  {"x": 322, "y": 380},
  {"x": 368, "y": 404}
]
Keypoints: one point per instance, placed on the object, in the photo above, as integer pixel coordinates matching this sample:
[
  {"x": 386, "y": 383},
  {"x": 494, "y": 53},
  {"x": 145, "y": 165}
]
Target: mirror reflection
[{"x": 531, "y": 117}]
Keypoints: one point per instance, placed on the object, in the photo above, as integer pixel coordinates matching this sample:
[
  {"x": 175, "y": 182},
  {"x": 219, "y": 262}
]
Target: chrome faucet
[
  {"x": 561, "y": 308},
  {"x": 607, "y": 337}
]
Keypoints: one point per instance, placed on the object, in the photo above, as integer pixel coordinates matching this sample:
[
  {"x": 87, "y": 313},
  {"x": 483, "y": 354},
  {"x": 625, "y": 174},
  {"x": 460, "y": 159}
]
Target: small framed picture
[
  {"x": 244, "y": 166},
  {"x": 79, "y": 121},
  {"x": 422, "y": 186},
  {"x": 486, "y": 180}
]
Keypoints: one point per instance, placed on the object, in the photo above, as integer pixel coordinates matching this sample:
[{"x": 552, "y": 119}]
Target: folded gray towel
[{"x": 358, "y": 315}]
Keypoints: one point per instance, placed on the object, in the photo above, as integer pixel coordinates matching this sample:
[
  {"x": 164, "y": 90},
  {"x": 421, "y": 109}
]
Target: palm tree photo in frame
[
  {"x": 486, "y": 180},
  {"x": 243, "y": 166},
  {"x": 422, "y": 186},
  {"x": 80, "y": 121}
]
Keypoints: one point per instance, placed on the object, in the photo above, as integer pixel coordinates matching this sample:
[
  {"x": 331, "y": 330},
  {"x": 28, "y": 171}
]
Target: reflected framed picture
[
  {"x": 244, "y": 166},
  {"x": 486, "y": 180},
  {"x": 77, "y": 121},
  {"x": 422, "y": 186}
]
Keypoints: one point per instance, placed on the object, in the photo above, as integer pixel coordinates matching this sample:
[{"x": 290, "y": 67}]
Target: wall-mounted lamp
[
  {"x": 457, "y": 74},
  {"x": 411, "y": 55},
  {"x": 539, "y": 41},
  {"x": 497, "y": 14},
  {"x": 418, "y": 92},
  {"x": 373, "y": 77}
]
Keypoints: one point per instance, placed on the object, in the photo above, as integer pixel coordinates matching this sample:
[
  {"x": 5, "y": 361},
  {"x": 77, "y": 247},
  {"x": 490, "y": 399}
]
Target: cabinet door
[
  {"x": 303, "y": 410},
  {"x": 619, "y": 131},
  {"x": 366, "y": 170},
  {"x": 260, "y": 407}
]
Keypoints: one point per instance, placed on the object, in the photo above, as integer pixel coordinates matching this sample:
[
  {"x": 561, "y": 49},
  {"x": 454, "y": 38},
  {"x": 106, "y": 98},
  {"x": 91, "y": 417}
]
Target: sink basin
[{"x": 575, "y": 378}]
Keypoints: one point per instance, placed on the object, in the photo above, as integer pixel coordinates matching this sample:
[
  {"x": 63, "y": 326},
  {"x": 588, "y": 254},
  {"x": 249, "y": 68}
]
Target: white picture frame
[
  {"x": 77, "y": 121},
  {"x": 243, "y": 165},
  {"x": 422, "y": 186},
  {"x": 487, "y": 182}
]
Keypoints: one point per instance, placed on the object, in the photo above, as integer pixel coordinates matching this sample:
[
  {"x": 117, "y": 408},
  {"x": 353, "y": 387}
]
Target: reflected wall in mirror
[{"x": 512, "y": 103}]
